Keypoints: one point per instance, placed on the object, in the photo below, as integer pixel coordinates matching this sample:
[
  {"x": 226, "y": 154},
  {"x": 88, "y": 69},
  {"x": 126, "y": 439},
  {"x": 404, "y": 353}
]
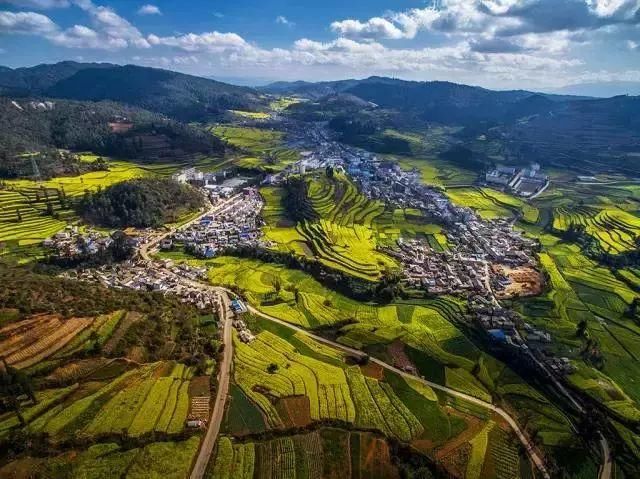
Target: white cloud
[
  {"x": 38, "y": 4},
  {"x": 29, "y": 23},
  {"x": 116, "y": 30},
  {"x": 633, "y": 45},
  {"x": 149, "y": 9},
  {"x": 614, "y": 8},
  {"x": 282, "y": 20},
  {"x": 203, "y": 42},
  {"x": 374, "y": 28},
  {"x": 495, "y": 18},
  {"x": 108, "y": 30}
]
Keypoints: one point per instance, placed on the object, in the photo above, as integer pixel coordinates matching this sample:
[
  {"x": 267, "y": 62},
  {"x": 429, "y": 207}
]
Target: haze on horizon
[{"x": 499, "y": 44}]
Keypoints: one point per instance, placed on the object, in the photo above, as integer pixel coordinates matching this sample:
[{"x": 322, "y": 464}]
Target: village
[
  {"x": 72, "y": 243},
  {"x": 485, "y": 261},
  {"x": 238, "y": 223}
]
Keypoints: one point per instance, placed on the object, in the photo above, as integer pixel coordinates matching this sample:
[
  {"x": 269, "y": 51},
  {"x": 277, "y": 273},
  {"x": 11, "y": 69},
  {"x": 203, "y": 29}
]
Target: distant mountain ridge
[
  {"x": 559, "y": 130},
  {"x": 30, "y": 81},
  {"x": 602, "y": 89},
  {"x": 178, "y": 95}
]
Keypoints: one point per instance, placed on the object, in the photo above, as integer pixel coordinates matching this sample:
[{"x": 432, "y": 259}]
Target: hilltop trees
[{"x": 141, "y": 203}]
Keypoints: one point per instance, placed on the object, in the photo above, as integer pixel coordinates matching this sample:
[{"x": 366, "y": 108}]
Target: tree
[
  {"x": 581, "y": 328},
  {"x": 19, "y": 215},
  {"x": 277, "y": 285},
  {"x": 13, "y": 385},
  {"x": 296, "y": 294},
  {"x": 272, "y": 368},
  {"x": 330, "y": 172}
]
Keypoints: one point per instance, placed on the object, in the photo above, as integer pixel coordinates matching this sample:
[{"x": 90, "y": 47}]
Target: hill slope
[
  {"x": 175, "y": 94},
  {"x": 36, "y": 80}
]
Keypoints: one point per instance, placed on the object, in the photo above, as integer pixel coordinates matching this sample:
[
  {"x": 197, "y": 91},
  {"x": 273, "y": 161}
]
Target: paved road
[
  {"x": 209, "y": 441},
  {"x": 537, "y": 460},
  {"x": 218, "y": 208}
]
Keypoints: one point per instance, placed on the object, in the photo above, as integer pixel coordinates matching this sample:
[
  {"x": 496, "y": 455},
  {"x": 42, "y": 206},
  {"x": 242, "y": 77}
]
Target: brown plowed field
[{"x": 28, "y": 342}]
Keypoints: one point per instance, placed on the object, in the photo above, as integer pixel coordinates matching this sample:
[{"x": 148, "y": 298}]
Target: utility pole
[{"x": 36, "y": 170}]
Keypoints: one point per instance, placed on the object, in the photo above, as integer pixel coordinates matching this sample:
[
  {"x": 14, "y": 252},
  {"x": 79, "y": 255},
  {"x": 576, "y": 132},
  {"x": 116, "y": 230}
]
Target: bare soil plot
[
  {"x": 525, "y": 281},
  {"x": 373, "y": 370},
  {"x": 399, "y": 356},
  {"x": 295, "y": 411}
]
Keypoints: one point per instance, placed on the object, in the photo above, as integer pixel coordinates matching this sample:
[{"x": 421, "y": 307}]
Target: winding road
[
  {"x": 208, "y": 443},
  {"x": 533, "y": 454}
]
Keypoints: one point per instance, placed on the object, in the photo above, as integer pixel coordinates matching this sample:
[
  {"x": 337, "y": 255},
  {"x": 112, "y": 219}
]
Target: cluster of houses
[
  {"x": 525, "y": 182},
  {"x": 506, "y": 327},
  {"x": 439, "y": 272},
  {"x": 237, "y": 224},
  {"x": 220, "y": 184},
  {"x": 71, "y": 243},
  {"x": 466, "y": 267},
  {"x": 244, "y": 333},
  {"x": 162, "y": 276}
]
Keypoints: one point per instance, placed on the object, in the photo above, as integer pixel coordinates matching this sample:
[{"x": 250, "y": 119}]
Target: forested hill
[
  {"x": 140, "y": 203},
  {"x": 36, "y": 80},
  {"x": 107, "y": 128},
  {"x": 180, "y": 96}
]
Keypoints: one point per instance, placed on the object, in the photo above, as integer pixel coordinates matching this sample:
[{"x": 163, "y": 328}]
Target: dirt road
[{"x": 209, "y": 441}]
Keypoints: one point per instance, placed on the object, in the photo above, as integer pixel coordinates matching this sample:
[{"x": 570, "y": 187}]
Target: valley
[{"x": 318, "y": 303}]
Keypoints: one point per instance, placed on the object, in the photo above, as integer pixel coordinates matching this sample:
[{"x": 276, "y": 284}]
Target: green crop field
[
  {"x": 152, "y": 397},
  {"x": 170, "y": 460},
  {"x": 24, "y": 222},
  {"x": 264, "y": 148},
  {"x": 252, "y": 115},
  {"x": 491, "y": 204},
  {"x": 274, "y": 372},
  {"x": 582, "y": 290},
  {"x": 326, "y": 453},
  {"x": 426, "y": 326},
  {"x": 437, "y": 172}
]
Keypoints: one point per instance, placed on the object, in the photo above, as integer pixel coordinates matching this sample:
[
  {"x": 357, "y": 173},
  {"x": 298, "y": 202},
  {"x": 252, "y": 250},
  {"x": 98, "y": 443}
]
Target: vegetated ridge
[
  {"x": 174, "y": 94},
  {"x": 141, "y": 203}
]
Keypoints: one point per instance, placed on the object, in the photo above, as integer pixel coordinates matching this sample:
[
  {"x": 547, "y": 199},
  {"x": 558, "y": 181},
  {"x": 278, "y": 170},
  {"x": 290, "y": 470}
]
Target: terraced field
[
  {"x": 584, "y": 291},
  {"x": 616, "y": 230},
  {"x": 343, "y": 229},
  {"x": 29, "y": 342},
  {"x": 33, "y": 211},
  {"x": 112, "y": 399}
]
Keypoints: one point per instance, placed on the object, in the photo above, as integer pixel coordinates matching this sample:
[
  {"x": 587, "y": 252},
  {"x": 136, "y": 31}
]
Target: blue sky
[{"x": 539, "y": 44}]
